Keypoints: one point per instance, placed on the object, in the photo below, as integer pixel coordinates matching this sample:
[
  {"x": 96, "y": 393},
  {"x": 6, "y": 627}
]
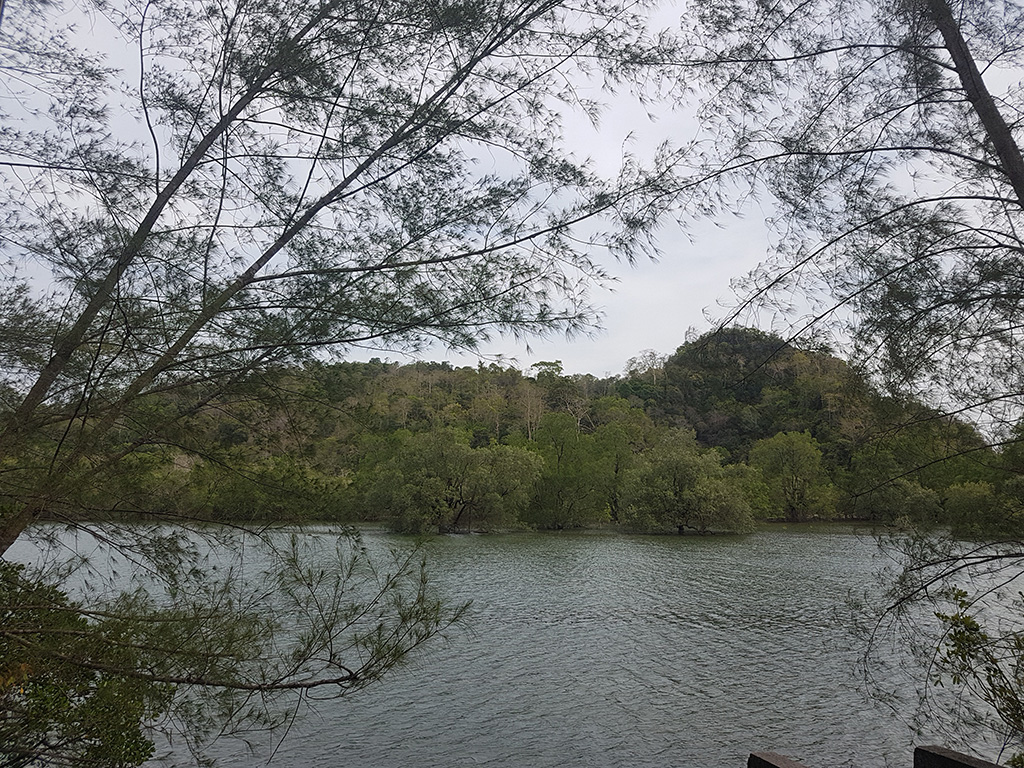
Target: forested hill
[{"x": 735, "y": 426}]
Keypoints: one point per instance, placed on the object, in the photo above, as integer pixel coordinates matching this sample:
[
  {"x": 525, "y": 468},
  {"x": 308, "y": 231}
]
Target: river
[
  {"x": 593, "y": 650},
  {"x": 626, "y": 651}
]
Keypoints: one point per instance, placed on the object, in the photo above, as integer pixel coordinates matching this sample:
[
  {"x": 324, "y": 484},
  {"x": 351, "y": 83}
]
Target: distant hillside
[{"x": 734, "y": 426}]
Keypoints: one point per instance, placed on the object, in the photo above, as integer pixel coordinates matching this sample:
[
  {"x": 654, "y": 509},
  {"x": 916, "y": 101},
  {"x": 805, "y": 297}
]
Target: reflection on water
[
  {"x": 602, "y": 650},
  {"x": 605, "y": 650}
]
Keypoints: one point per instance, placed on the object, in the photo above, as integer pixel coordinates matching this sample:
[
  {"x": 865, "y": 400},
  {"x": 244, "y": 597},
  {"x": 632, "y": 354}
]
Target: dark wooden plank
[
  {"x": 940, "y": 757},
  {"x": 772, "y": 760}
]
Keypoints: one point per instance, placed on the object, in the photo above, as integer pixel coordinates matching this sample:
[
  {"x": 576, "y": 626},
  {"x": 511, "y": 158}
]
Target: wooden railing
[{"x": 924, "y": 757}]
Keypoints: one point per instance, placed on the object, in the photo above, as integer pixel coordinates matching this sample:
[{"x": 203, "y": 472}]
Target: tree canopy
[
  {"x": 229, "y": 189},
  {"x": 887, "y": 136},
  {"x": 306, "y": 177}
]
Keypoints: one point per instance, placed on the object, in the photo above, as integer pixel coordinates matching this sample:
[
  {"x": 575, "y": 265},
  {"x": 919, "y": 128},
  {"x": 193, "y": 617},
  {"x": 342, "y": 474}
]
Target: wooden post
[
  {"x": 774, "y": 760},
  {"x": 924, "y": 757},
  {"x": 940, "y": 757}
]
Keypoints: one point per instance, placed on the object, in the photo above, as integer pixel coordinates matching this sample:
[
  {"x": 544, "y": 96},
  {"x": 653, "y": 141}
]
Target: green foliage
[
  {"x": 279, "y": 488},
  {"x": 989, "y": 664},
  {"x": 622, "y": 436},
  {"x": 569, "y": 491},
  {"x": 876, "y": 489},
  {"x": 973, "y": 656},
  {"x": 799, "y": 488},
  {"x": 434, "y": 481},
  {"x": 976, "y": 510},
  {"x": 71, "y": 692},
  {"x": 750, "y": 482},
  {"x": 678, "y": 487},
  {"x": 429, "y": 447}
]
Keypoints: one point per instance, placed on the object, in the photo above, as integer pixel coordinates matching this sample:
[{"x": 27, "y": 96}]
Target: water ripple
[{"x": 596, "y": 650}]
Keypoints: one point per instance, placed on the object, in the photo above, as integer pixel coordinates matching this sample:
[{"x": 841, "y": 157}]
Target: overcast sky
[{"x": 651, "y": 306}]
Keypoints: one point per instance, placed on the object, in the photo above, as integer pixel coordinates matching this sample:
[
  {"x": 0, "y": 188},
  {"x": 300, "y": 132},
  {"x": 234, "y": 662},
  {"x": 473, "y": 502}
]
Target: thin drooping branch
[{"x": 21, "y": 420}]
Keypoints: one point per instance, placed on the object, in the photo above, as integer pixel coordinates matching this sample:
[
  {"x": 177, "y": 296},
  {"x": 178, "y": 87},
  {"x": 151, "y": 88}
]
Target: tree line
[{"x": 735, "y": 426}]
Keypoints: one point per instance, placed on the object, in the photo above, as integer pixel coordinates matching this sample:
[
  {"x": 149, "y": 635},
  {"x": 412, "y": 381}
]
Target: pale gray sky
[{"x": 653, "y": 304}]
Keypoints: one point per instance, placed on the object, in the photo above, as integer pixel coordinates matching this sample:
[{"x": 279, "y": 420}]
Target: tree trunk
[{"x": 1010, "y": 160}]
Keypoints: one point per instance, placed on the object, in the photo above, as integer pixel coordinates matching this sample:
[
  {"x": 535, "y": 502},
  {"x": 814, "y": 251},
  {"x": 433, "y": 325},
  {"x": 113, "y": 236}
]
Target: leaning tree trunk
[{"x": 1011, "y": 162}]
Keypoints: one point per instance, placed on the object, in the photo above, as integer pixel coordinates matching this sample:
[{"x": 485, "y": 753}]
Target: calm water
[
  {"x": 596, "y": 650},
  {"x": 599, "y": 650}
]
